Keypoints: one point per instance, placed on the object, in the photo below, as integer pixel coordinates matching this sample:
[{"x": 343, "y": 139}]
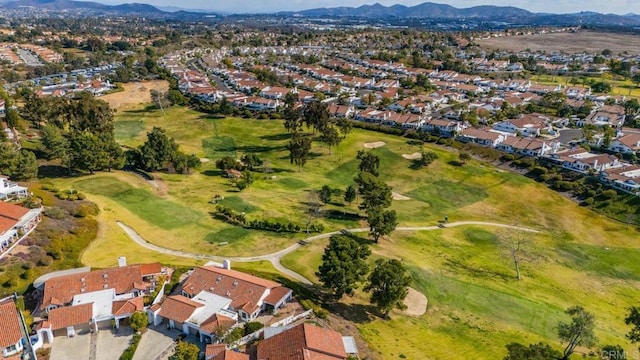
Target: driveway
[
  {"x": 155, "y": 341},
  {"x": 77, "y": 347},
  {"x": 111, "y": 344}
]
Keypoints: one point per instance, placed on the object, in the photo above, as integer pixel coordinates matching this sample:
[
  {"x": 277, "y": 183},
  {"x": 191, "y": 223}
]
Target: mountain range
[{"x": 427, "y": 10}]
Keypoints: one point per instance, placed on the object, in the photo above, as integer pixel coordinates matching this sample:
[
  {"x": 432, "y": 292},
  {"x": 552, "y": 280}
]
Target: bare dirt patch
[
  {"x": 373, "y": 145},
  {"x": 204, "y": 160},
  {"x": 399, "y": 197},
  {"x": 416, "y": 303},
  {"x": 582, "y": 41},
  {"x": 135, "y": 93},
  {"x": 414, "y": 156}
]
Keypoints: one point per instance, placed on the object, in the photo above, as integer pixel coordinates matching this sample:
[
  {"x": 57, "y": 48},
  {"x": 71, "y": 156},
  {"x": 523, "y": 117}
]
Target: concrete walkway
[{"x": 274, "y": 258}]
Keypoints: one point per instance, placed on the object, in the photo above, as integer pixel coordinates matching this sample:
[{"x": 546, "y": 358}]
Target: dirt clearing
[
  {"x": 414, "y": 156},
  {"x": 416, "y": 303},
  {"x": 135, "y": 93},
  {"x": 373, "y": 145},
  {"x": 399, "y": 197},
  {"x": 583, "y": 41}
]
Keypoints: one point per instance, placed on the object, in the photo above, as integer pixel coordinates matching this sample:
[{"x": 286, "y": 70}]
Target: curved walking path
[{"x": 274, "y": 258}]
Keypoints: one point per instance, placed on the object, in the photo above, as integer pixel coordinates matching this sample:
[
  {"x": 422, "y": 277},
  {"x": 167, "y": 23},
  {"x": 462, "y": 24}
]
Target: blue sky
[{"x": 256, "y": 6}]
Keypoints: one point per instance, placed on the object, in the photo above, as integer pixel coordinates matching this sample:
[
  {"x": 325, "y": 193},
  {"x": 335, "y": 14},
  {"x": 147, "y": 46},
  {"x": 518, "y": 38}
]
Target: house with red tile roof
[
  {"x": 96, "y": 299},
  {"x": 11, "y": 335},
  {"x": 16, "y": 222},
  {"x": 303, "y": 342},
  {"x": 250, "y": 295},
  {"x": 220, "y": 352}
]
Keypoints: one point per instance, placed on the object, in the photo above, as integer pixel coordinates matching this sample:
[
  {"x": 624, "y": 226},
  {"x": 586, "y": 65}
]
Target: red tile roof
[
  {"x": 125, "y": 307},
  {"x": 62, "y": 289},
  {"x": 220, "y": 352},
  {"x": 10, "y": 332},
  {"x": 215, "y": 322},
  {"x": 12, "y": 212},
  {"x": 303, "y": 342},
  {"x": 178, "y": 308},
  {"x": 63, "y": 317},
  {"x": 230, "y": 355},
  {"x": 244, "y": 290},
  {"x": 276, "y": 294},
  {"x": 150, "y": 269}
]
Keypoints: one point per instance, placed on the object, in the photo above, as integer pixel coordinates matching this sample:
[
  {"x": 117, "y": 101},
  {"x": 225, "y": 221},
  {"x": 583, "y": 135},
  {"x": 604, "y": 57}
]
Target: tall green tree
[
  {"x": 325, "y": 194},
  {"x": 55, "y": 145},
  {"x": 185, "y": 351},
  {"x": 368, "y": 162},
  {"x": 381, "y": 222},
  {"x": 350, "y": 194},
  {"x": 330, "y": 137},
  {"x": 158, "y": 150},
  {"x": 343, "y": 265},
  {"x": 299, "y": 147},
  {"x": 539, "y": 351},
  {"x": 373, "y": 192},
  {"x": 389, "y": 285},
  {"x": 17, "y": 164},
  {"x": 316, "y": 115},
  {"x": 577, "y": 332},
  {"x": 633, "y": 319}
]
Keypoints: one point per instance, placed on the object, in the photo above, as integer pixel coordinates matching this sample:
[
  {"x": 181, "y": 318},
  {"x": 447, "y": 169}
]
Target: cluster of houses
[
  {"x": 371, "y": 90},
  {"x": 210, "y": 302},
  {"x": 94, "y": 80}
]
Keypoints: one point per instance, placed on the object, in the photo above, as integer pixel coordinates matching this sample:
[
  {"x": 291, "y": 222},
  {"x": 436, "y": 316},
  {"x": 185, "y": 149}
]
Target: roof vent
[
  {"x": 219, "y": 278},
  {"x": 235, "y": 283},
  {"x": 105, "y": 276},
  {"x": 228, "y": 294}
]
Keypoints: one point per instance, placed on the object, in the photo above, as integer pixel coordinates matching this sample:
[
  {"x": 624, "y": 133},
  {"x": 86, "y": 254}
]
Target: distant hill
[
  {"x": 425, "y": 10},
  {"x": 56, "y": 5},
  {"x": 430, "y": 10}
]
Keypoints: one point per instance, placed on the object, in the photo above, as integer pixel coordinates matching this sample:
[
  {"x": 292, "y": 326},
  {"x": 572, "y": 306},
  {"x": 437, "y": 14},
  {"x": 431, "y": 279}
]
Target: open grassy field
[
  {"x": 134, "y": 94},
  {"x": 475, "y": 305},
  {"x": 582, "y": 41},
  {"x": 625, "y": 88}
]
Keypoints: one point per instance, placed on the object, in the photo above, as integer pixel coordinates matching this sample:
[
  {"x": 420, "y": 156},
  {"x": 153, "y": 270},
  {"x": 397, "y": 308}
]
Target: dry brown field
[
  {"x": 587, "y": 41},
  {"x": 135, "y": 93}
]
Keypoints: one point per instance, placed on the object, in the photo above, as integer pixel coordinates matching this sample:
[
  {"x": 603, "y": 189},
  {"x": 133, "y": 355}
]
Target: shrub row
[
  {"x": 131, "y": 350},
  {"x": 235, "y": 218}
]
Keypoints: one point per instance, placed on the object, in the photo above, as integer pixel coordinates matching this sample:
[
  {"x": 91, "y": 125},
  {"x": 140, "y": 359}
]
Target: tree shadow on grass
[
  {"x": 455, "y": 163},
  {"x": 340, "y": 215},
  {"x": 146, "y": 109},
  {"x": 53, "y": 171},
  {"x": 477, "y": 272},
  {"x": 213, "y": 173},
  {"x": 276, "y": 137},
  {"x": 258, "y": 148},
  {"x": 357, "y": 313}
]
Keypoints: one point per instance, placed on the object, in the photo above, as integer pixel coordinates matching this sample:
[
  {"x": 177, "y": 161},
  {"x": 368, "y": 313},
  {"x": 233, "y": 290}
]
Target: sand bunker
[
  {"x": 414, "y": 156},
  {"x": 399, "y": 197},
  {"x": 416, "y": 303},
  {"x": 374, "y": 145},
  {"x": 204, "y": 160}
]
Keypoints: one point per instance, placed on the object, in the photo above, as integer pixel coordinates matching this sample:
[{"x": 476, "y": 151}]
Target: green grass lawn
[{"x": 475, "y": 305}]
